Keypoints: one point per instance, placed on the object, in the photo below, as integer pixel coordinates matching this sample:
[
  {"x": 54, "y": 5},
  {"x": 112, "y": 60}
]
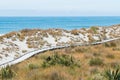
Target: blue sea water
[{"x": 8, "y": 24}]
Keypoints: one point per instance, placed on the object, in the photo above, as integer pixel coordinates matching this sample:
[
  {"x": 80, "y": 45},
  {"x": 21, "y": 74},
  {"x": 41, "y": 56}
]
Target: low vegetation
[
  {"x": 112, "y": 74},
  {"x": 75, "y": 32},
  {"x": 33, "y": 66},
  {"x": 7, "y": 73},
  {"x": 64, "y": 60},
  {"x": 94, "y": 29},
  {"x": 97, "y": 62}
]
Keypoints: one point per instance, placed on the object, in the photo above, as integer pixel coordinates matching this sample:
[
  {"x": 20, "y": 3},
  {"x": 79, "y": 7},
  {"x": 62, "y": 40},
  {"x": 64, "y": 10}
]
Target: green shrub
[
  {"x": 64, "y": 60},
  {"x": 33, "y": 66},
  {"x": 112, "y": 44},
  {"x": 96, "y": 62},
  {"x": 94, "y": 29},
  {"x": 112, "y": 74},
  {"x": 7, "y": 73},
  {"x": 107, "y": 45}
]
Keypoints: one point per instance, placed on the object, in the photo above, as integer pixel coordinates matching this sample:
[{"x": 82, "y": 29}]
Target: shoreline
[{"x": 69, "y": 29}]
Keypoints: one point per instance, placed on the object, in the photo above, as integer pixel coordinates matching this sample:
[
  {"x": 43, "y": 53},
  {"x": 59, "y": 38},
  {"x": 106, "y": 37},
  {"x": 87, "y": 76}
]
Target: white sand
[
  {"x": 66, "y": 37},
  {"x": 50, "y": 39},
  {"x": 1, "y": 34}
]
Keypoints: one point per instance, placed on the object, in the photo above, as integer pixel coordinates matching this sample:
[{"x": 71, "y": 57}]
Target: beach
[{"x": 17, "y": 44}]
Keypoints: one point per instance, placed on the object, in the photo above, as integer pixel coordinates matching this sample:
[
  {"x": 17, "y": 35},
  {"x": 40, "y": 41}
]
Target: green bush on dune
[
  {"x": 7, "y": 73},
  {"x": 112, "y": 74},
  {"x": 64, "y": 60},
  {"x": 33, "y": 66},
  {"x": 96, "y": 62},
  {"x": 94, "y": 29},
  {"x": 112, "y": 44}
]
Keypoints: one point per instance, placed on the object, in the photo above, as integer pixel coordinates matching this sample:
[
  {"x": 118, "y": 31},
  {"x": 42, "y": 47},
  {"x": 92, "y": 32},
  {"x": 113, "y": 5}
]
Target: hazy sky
[{"x": 59, "y": 7}]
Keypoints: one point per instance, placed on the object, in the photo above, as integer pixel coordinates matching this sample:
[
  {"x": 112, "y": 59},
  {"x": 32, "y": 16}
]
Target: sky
[{"x": 59, "y": 7}]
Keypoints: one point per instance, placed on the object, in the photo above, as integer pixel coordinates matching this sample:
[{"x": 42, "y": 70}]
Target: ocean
[{"x": 8, "y": 24}]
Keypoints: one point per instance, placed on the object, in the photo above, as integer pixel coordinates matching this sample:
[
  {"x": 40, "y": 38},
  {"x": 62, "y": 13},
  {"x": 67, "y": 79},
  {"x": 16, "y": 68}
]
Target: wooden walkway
[{"x": 30, "y": 54}]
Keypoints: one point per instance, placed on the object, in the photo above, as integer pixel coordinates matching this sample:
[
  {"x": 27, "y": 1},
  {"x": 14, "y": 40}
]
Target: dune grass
[{"x": 74, "y": 63}]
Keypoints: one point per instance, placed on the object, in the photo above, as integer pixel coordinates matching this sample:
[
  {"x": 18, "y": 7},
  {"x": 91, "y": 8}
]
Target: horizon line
[{"x": 65, "y": 16}]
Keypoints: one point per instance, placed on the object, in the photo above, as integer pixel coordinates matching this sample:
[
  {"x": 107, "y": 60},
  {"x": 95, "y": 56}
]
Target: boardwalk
[{"x": 30, "y": 54}]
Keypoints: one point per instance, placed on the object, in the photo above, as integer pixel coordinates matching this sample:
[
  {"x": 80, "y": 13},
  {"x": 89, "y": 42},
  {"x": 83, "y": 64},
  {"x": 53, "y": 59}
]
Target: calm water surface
[{"x": 8, "y": 24}]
